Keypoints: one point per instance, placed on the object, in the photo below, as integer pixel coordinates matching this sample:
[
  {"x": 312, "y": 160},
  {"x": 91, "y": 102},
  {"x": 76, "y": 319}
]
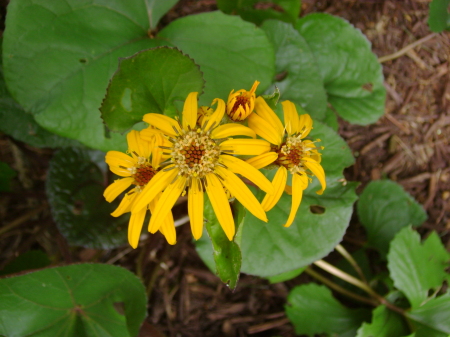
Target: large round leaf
[
  {"x": 59, "y": 56},
  {"x": 149, "y": 81},
  {"x": 269, "y": 248},
  {"x": 352, "y": 74},
  {"x": 75, "y": 186},
  {"x": 231, "y": 53},
  {"x": 302, "y": 82},
  {"x": 73, "y": 301}
]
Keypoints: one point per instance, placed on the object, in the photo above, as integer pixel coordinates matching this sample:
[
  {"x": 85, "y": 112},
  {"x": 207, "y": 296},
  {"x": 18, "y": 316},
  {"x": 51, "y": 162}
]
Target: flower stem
[{"x": 346, "y": 255}]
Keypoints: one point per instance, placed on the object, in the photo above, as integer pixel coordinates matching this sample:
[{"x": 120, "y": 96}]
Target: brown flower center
[
  {"x": 290, "y": 154},
  {"x": 240, "y": 101},
  {"x": 193, "y": 154},
  {"x": 144, "y": 173}
]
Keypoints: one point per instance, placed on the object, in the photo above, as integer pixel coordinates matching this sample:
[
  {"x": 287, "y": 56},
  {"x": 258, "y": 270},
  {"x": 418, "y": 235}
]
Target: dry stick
[
  {"x": 338, "y": 288},
  {"x": 403, "y": 51},
  {"x": 22, "y": 219},
  {"x": 341, "y": 250}
]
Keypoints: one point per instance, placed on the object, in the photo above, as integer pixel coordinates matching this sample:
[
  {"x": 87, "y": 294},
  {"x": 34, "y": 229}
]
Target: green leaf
[
  {"x": 432, "y": 318},
  {"x": 149, "y": 81},
  {"x": 439, "y": 19},
  {"x": 75, "y": 186},
  {"x": 384, "y": 208},
  {"x": 32, "y": 259},
  {"x": 204, "y": 248},
  {"x": 6, "y": 174},
  {"x": 156, "y": 10},
  {"x": 15, "y": 122},
  {"x": 232, "y": 53},
  {"x": 289, "y": 275},
  {"x": 270, "y": 249},
  {"x": 417, "y": 268},
  {"x": 257, "y": 11},
  {"x": 227, "y": 254},
  {"x": 351, "y": 72},
  {"x": 313, "y": 310},
  {"x": 58, "y": 58},
  {"x": 384, "y": 323},
  {"x": 302, "y": 83},
  {"x": 77, "y": 300}
]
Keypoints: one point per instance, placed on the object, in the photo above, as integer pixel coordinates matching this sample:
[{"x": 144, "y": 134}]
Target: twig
[
  {"x": 22, "y": 219},
  {"x": 403, "y": 51}
]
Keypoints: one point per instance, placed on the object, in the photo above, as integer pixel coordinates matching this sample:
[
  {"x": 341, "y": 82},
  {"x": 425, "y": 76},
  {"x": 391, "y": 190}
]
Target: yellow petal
[
  {"x": 137, "y": 146},
  {"x": 264, "y": 129},
  {"x": 149, "y": 133},
  {"x": 155, "y": 186},
  {"x": 135, "y": 227},
  {"x": 304, "y": 125},
  {"x": 190, "y": 111},
  {"x": 168, "y": 229},
  {"x": 278, "y": 182},
  {"x": 264, "y": 111},
  {"x": 232, "y": 129},
  {"x": 317, "y": 170},
  {"x": 116, "y": 158},
  {"x": 298, "y": 185},
  {"x": 262, "y": 160},
  {"x": 220, "y": 204},
  {"x": 217, "y": 116},
  {"x": 241, "y": 192},
  {"x": 246, "y": 170},
  {"x": 117, "y": 187},
  {"x": 125, "y": 204},
  {"x": 195, "y": 208},
  {"x": 162, "y": 122},
  {"x": 290, "y": 117},
  {"x": 251, "y": 147},
  {"x": 120, "y": 171},
  {"x": 313, "y": 153},
  {"x": 166, "y": 202}
]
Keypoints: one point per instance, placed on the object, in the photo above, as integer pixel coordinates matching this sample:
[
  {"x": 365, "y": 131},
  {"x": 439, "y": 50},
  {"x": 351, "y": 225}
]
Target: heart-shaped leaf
[{"x": 73, "y": 301}]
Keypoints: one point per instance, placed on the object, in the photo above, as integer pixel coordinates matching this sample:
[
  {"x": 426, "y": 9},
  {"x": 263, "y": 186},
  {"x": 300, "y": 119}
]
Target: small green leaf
[
  {"x": 156, "y": 9},
  {"x": 257, "y": 11},
  {"x": 351, "y": 72},
  {"x": 384, "y": 323},
  {"x": 313, "y": 310},
  {"x": 6, "y": 174},
  {"x": 289, "y": 275},
  {"x": 227, "y": 254},
  {"x": 270, "y": 249},
  {"x": 232, "y": 53},
  {"x": 75, "y": 186},
  {"x": 32, "y": 259},
  {"x": 384, "y": 208},
  {"x": 302, "y": 82},
  {"x": 204, "y": 248},
  {"x": 59, "y": 56},
  {"x": 439, "y": 19},
  {"x": 432, "y": 318},
  {"x": 73, "y": 301},
  {"x": 149, "y": 81},
  {"x": 417, "y": 268}
]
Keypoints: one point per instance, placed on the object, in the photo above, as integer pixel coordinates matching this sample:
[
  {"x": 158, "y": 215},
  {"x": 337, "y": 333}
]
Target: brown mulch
[{"x": 409, "y": 144}]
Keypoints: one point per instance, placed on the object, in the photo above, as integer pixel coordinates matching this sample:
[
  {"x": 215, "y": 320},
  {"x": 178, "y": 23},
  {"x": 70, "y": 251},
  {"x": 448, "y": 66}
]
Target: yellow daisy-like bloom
[
  {"x": 138, "y": 169},
  {"x": 201, "y": 159},
  {"x": 241, "y": 103},
  {"x": 291, "y": 152}
]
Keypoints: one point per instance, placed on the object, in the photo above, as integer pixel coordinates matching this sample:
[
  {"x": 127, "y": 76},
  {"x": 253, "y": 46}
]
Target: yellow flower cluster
[{"x": 203, "y": 153}]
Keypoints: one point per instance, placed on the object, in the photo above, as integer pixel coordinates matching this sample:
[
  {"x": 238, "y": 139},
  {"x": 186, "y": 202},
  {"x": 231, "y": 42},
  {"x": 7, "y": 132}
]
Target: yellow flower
[
  {"x": 138, "y": 169},
  {"x": 241, "y": 103},
  {"x": 201, "y": 159},
  {"x": 290, "y": 152}
]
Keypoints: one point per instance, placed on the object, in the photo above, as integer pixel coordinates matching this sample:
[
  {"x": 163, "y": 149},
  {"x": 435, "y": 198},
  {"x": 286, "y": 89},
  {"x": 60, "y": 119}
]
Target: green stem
[
  {"x": 346, "y": 255},
  {"x": 338, "y": 288}
]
